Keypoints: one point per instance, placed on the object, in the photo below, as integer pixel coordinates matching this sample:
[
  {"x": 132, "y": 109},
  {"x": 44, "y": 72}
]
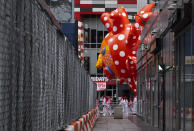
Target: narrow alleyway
[
  {"x": 132, "y": 123},
  {"x": 76, "y": 65}
]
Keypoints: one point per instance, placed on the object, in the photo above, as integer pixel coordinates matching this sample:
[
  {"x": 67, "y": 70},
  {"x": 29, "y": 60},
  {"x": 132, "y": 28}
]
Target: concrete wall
[
  {"x": 140, "y": 4},
  {"x": 92, "y": 53}
]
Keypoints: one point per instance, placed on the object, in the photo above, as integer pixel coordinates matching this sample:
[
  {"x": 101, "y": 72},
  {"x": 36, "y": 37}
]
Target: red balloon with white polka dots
[{"x": 118, "y": 49}]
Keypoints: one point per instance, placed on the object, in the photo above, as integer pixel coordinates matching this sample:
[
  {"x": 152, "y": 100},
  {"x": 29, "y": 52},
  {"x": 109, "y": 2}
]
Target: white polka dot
[
  {"x": 107, "y": 25},
  {"x": 122, "y": 71},
  {"x": 135, "y": 82},
  {"x": 130, "y": 85},
  {"x": 126, "y": 41},
  {"x": 129, "y": 57},
  {"x": 133, "y": 52},
  {"x": 142, "y": 12},
  {"x": 139, "y": 38},
  {"x": 112, "y": 14},
  {"x": 119, "y": 14},
  {"x": 136, "y": 25},
  {"x": 121, "y": 25},
  {"x": 121, "y": 37},
  {"x": 129, "y": 79},
  {"x": 123, "y": 14},
  {"x": 145, "y": 15},
  {"x": 116, "y": 10},
  {"x": 116, "y": 62},
  {"x": 111, "y": 40},
  {"x": 114, "y": 28},
  {"x": 115, "y": 47},
  {"x": 128, "y": 28},
  {"x": 135, "y": 90},
  {"x": 107, "y": 35},
  {"x": 131, "y": 62},
  {"x": 134, "y": 37},
  {"x": 105, "y": 18},
  {"x": 122, "y": 53}
]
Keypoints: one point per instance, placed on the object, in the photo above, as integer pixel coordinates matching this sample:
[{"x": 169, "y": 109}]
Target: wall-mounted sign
[
  {"x": 189, "y": 59},
  {"x": 96, "y": 79},
  {"x": 101, "y": 86}
]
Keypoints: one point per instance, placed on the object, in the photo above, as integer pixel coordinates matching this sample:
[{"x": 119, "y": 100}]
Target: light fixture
[
  {"x": 172, "y": 6},
  {"x": 160, "y": 68},
  {"x": 169, "y": 67},
  {"x": 155, "y": 31},
  {"x": 165, "y": 67}
]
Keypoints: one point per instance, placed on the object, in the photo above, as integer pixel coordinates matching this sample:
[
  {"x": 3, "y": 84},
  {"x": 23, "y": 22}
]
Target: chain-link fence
[{"x": 43, "y": 86}]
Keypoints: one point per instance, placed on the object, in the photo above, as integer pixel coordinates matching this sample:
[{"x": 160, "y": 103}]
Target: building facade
[
  {"x": 92, "y": 32},
  {"x": 64, "y": 14},
  {"x": 166, "y": 67}
]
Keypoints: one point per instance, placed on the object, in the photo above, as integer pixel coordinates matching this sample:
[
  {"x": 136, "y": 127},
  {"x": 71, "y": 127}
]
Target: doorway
[{"x": 111, "y": 92}]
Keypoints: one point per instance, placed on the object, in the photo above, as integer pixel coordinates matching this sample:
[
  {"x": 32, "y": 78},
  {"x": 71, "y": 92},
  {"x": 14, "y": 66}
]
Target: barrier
[{"x": 85, "y": 123}]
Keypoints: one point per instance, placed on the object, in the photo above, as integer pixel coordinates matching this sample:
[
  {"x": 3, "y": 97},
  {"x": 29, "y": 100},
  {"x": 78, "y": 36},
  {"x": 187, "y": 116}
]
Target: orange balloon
[{"x": 119, "y": 47}]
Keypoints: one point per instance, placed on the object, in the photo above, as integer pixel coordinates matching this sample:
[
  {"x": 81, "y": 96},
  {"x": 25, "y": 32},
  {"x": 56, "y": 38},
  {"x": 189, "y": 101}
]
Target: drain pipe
[{"x": 72, "y": 11}]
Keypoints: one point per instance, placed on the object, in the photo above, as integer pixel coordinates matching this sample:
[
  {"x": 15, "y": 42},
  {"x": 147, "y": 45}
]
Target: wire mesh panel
[{"x": 42, "y": 83}]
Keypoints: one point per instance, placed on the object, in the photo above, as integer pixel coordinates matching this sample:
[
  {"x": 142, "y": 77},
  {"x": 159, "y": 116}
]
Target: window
[
  {"x": 87, "y": 63},
  {"x": 100, "y": 36},
  {"x": 93, "y": 45},
  {"x": 98, "y": 45},
  {"x": 105, "y": 33},
  {"x": 94, "y": 31},
  {"x": 184, "y": 60},
  {"x": 86, "y": 35},
  {"x": 86, "y": 45},
  {"x": 93, "y": 36},
  {"x": 188, "y": 80}
]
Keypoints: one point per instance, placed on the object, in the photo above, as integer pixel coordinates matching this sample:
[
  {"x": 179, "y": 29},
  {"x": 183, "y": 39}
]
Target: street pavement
[{"x": 132, "y": 123}]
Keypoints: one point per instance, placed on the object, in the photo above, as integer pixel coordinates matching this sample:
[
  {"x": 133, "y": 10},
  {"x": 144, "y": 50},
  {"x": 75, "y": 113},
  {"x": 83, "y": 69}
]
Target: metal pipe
[{"x": 72, "y": 11}]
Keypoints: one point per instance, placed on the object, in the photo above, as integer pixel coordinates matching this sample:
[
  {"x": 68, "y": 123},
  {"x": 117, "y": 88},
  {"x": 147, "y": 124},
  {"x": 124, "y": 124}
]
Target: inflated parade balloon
[{"x": 118, "y": 49}]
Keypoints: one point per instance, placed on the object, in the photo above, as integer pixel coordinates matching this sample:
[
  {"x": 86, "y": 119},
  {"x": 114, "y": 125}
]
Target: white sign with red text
[{"x": 101, "y": 86}]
